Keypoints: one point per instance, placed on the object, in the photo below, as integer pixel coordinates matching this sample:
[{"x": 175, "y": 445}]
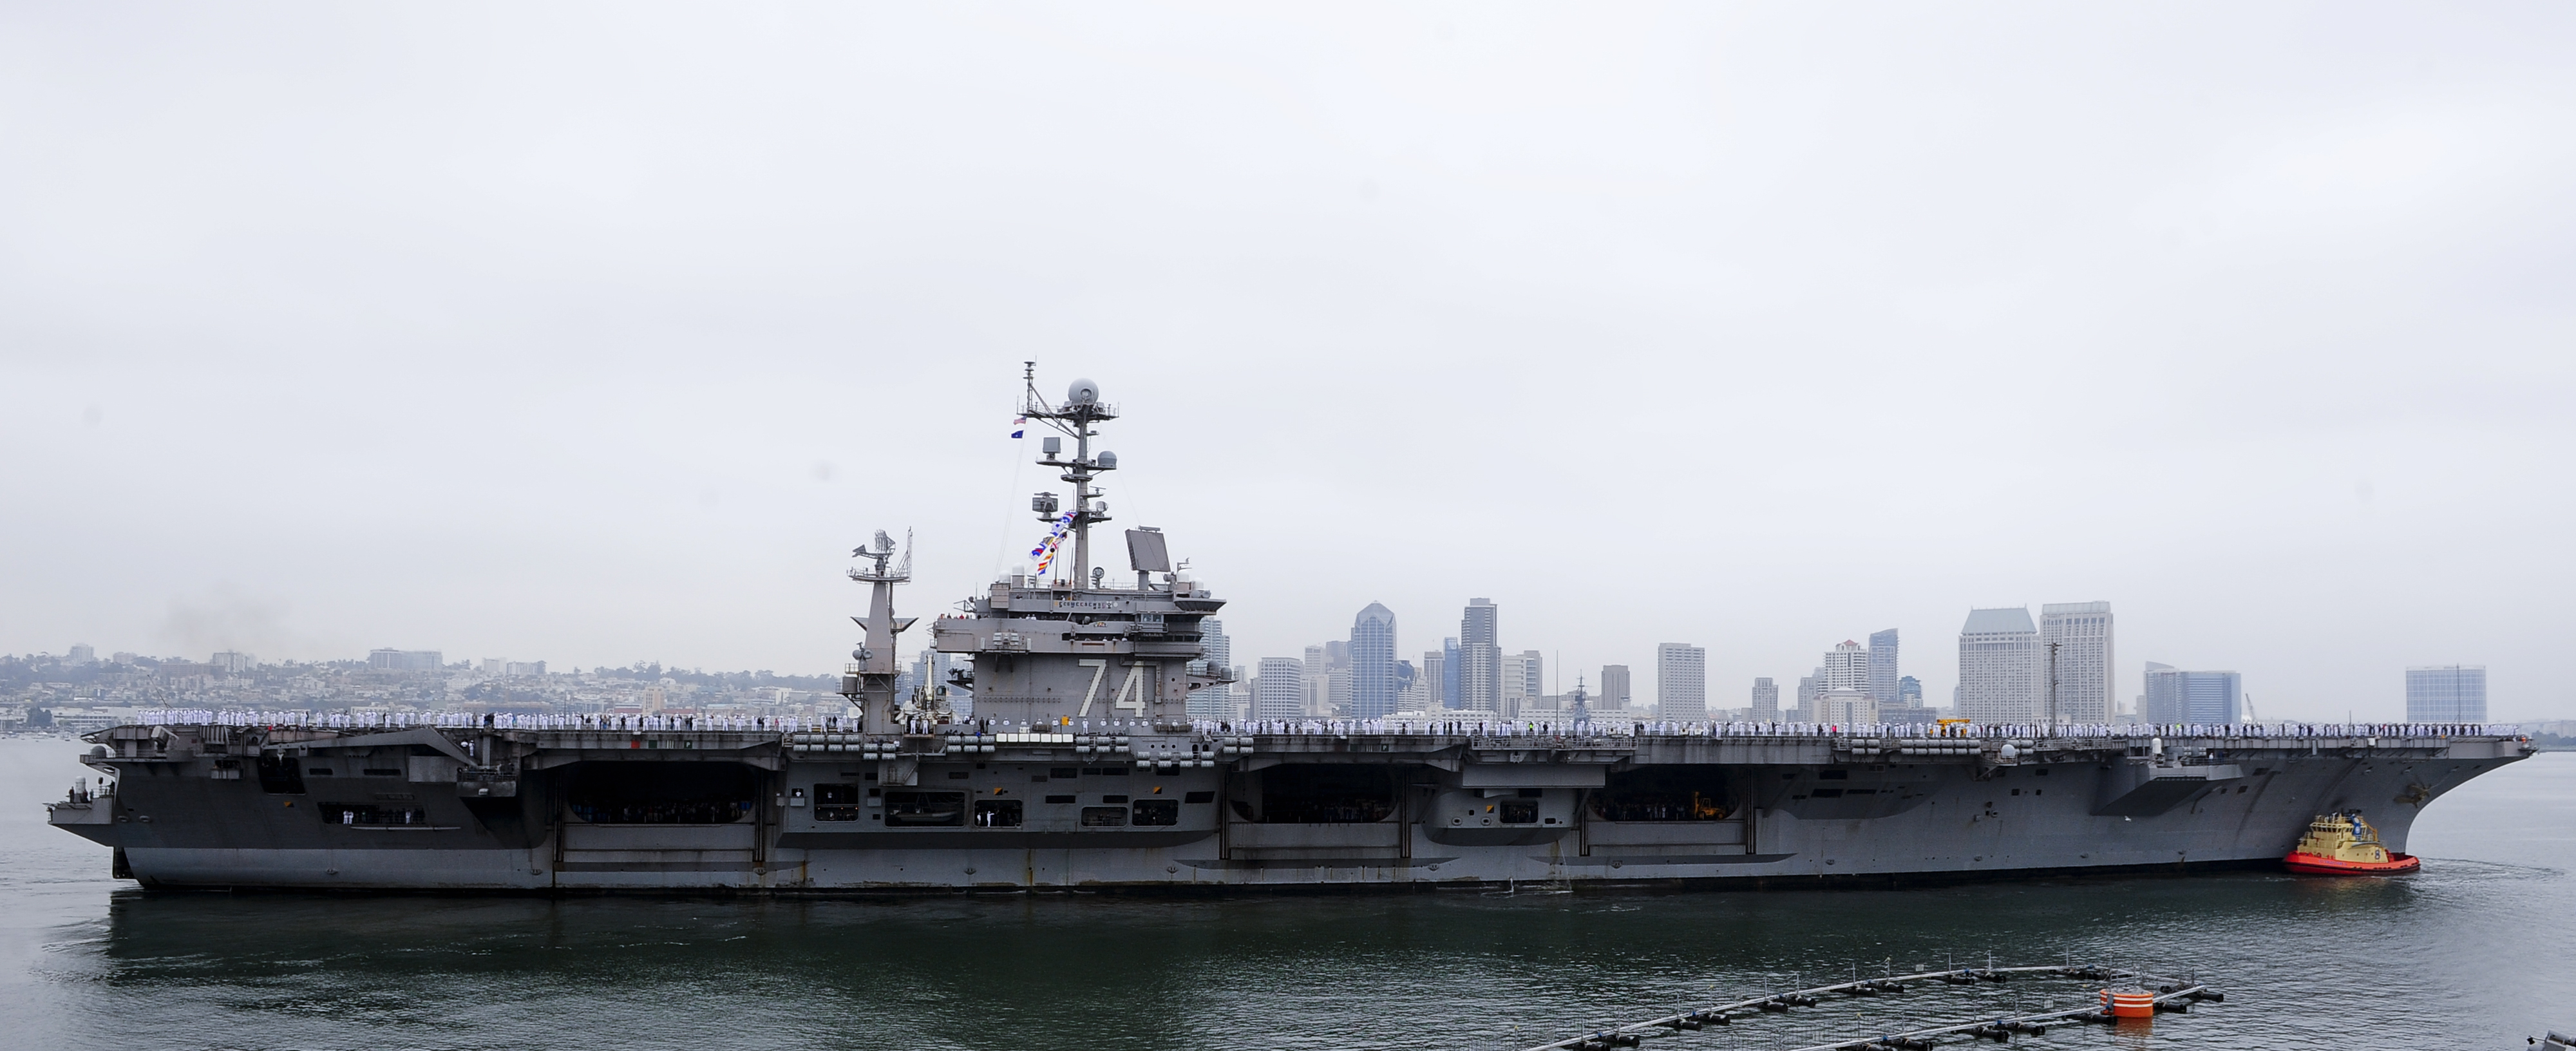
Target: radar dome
[{"x": 1083, "y": 392}]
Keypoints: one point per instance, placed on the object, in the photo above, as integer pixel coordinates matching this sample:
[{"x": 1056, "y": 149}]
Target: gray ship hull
[{"x": 675, "y": 811}]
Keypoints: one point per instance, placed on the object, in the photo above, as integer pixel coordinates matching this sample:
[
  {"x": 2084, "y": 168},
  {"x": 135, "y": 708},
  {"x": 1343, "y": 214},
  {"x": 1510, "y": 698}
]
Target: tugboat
[{"x": 2345, "y": 845}]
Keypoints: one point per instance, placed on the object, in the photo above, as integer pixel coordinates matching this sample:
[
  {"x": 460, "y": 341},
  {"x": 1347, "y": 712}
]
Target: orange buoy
[{"x": 2129, "y": 1003}]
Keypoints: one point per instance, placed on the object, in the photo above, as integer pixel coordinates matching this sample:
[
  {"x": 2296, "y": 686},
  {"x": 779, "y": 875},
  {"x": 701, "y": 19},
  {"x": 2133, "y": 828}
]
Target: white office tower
[
  {"x": 1999, "y": 667},
  {"x": 2449, "y": 693},
  {"x": 1841, "y": 694},
  {"x": 1882, "y": 668},
  {"x": 1372, "y": 675},
  {"x": 1846, "y": 667},
  {"x": 1480, "y": 658},
  {"x": 1614, "y": 689},
  {"x": 1766, "y": 701},
  {"x": 1280, "y": 691},
  {"x": 2080, "y": 666},
  {"x": 1681, "y": 682},
  {"x": 2175, "y": 695}
]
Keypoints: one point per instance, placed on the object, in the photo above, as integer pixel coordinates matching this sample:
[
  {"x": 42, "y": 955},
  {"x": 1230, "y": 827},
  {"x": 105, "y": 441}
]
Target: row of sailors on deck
[
  {"x": 1594, "y": 728},
  {"x": 1339, "y": 727}
]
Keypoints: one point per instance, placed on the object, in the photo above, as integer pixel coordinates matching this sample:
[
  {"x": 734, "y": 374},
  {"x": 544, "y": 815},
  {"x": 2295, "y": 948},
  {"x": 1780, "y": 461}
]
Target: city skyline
[{"x": 1331, "y": 681}]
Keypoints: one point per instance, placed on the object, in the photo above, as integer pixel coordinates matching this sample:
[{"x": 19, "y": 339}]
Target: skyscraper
[
  {"x": 1435, "y": 671},
  {"x": 1212, "y": 702},
  {"x": 1515, "y": 685},
  {"x": 2081, "y": 632},
  {"x": 1882, "y": 667},
  {"x": 1681, "y": 682},
  {"x": 1999, "y": 666},
  {"x": 2448, "y": 693},
  {"x": 1372, "y": 675},
  {"x": 1847, "y": 667},
  {"x": 1480, "y": 658},
  {"x": 1449, "y": 673},
  {"x": 1280, "y": 691},
  {"x": 1909, "y": 692},
  {"x": 2178, "y": 696},
  {"x": 1841, "y": 694},
  {"x": 1614, "y": 689},
  {"x": 1766, "y": 701}
]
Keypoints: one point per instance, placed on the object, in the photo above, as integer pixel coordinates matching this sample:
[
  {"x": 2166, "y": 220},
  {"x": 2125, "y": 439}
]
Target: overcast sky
[{"x": 600, "y": 334}]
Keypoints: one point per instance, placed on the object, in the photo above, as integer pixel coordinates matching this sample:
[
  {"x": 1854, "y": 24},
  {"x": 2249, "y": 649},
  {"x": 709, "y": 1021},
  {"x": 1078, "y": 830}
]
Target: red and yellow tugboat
[{"x": 2345, "y": 845}]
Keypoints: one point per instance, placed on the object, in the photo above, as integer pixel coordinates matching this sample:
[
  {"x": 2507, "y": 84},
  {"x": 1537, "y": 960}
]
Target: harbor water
[{"x": 2476, "y": 951}]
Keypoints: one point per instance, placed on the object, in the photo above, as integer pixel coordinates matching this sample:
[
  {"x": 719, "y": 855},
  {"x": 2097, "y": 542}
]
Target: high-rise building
[
  {"x": 1614, "y": 689},
  {"x": 2448, "y": 693},
  {"x": 1435, "y": 673},
  {"x": 1909, "y": 692},
  {"x": 80, "y": 653},
  {"x": 1372, "y": 675},
  {"x": 1280, "y": 691},
  {"x": 1212, "y": 702},
  {"x": 1847, "y": 668},
  {"x": 1882, "y": 667},
  {"x": 1449, "y": 673},
  {"x": 1681, "y": 682},
  {"x": 1766, "y": 701},
  {"x": 231, "y": 662},
  {"x": 2178, "y": 696},
  {"x": 1999, "y": 666},
  {"x": 1524, "y": 674},
  {"x": 1480, "y": 658},
  {"x": 2075, "y": 646}
]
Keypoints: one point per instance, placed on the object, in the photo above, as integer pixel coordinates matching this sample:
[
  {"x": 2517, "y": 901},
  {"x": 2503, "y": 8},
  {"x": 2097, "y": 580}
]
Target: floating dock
[{"x": 2165, "y": 993}]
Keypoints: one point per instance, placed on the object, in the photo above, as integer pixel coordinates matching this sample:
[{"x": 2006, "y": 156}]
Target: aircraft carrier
[{"x": 1081, "y": 768}]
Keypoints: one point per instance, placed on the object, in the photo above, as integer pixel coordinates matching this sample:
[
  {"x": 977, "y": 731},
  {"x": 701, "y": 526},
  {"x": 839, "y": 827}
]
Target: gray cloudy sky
[{"x": 600, "y": 333}]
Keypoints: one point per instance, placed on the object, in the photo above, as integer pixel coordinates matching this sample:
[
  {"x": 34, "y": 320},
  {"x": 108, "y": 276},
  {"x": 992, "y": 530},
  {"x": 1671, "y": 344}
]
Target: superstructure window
[
  {"x": 1520, "y": 812},
  {"x": 384, "y": 771},
  {"x": 997, "y": 813},
  {"x": 1104, "y": 816},
  {"x": 1157, "y": 812}
]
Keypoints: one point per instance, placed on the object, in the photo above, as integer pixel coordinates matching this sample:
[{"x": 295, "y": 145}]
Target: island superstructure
[{"x": 1080, "y": 767}]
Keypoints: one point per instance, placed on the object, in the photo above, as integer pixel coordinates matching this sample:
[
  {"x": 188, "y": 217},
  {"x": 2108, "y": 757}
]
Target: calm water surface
[{"x": 2478, "y": 951}]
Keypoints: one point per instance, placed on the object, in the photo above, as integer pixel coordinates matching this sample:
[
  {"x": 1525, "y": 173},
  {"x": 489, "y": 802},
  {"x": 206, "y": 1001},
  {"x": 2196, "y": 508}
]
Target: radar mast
[{"x": 1082, "y": 407}]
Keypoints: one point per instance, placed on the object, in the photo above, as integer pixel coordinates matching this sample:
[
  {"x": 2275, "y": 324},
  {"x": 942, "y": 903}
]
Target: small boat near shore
[{"x": 2345, "y": 845}]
